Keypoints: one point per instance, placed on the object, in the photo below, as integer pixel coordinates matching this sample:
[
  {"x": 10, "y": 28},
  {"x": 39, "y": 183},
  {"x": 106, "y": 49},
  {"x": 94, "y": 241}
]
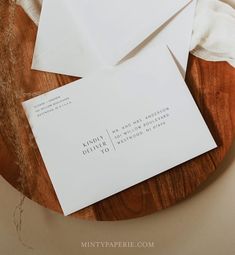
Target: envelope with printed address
[
  {"x": 78, "y": 37},
  {"x": 116, "y": 128}
]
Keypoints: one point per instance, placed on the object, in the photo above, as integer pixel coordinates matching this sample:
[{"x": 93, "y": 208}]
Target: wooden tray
[{"x": 212, "y": 85}]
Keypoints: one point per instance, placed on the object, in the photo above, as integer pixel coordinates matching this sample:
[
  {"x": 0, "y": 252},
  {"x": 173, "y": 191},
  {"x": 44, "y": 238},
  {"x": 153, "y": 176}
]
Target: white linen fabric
[
  {"x": 213, "y": 35},
  {"x": 32, "y": 8},
  {"x": 214, "y": 31}
]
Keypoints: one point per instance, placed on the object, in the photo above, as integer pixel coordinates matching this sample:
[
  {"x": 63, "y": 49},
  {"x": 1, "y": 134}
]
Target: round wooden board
[{"x": 212, "y": 85}]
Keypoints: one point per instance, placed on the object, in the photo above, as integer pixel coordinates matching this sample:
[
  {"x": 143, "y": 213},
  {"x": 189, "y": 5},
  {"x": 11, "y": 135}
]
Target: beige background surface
[{"x": 203, "y": 224}]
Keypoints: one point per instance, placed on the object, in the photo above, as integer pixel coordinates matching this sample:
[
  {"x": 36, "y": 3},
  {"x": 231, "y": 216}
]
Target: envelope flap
[
  {"x": 79, "y": 37},
  {"x": 114, "y": 28}
]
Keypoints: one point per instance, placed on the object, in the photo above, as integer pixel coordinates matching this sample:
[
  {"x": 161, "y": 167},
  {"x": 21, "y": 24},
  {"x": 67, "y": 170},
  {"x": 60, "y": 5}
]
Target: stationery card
[
  {"x": 79, "y": 37},
  {"x": 116, "y": 128}
]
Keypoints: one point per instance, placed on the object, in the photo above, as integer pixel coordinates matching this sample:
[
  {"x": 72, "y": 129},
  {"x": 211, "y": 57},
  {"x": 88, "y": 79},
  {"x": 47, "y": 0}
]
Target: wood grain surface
[{"x": 212, "y": 85}]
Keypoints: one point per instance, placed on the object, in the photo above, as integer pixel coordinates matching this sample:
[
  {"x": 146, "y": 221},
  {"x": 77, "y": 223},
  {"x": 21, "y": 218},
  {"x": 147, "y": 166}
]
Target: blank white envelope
[{"x": 78, "y": 37}]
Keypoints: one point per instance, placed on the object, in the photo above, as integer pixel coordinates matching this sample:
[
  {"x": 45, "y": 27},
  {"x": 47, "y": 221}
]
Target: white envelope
[
  {"x": 117, "y": 127},
  {"x": 78, "y": 37}
]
